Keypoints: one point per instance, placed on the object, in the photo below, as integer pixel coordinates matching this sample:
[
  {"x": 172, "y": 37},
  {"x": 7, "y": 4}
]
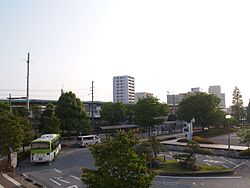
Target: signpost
[{"x": 13, "y": 157}]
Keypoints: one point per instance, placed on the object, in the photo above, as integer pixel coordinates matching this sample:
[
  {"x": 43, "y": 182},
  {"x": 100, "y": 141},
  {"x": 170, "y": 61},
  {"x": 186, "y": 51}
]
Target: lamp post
[{"x": 228, "y": 134}]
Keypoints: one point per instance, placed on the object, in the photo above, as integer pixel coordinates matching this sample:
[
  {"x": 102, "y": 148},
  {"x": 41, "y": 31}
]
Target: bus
[{"x": 45, "y": 148}]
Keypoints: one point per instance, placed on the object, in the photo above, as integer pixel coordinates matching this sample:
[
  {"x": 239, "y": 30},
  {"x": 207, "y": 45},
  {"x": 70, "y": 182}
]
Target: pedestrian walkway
[
  {"x": 208, "y": 146},
  {"x": 166, "y": 136},
  {"x": 8, "y": 182}
]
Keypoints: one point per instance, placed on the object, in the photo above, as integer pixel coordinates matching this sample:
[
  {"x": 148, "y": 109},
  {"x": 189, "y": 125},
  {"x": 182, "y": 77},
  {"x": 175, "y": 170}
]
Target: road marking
[
  {"x": 223, "y": 159},
  {"x": 209, "y": 157},
  {"x": 237, "y": 166},
  {"x": 194, "y": 177},
  {"x": 1, "y": 186},
  {"x": 233, "y": 163},
  {"x": 56, "y": 170},
  {"x": 194, "y": 183},
  {"x": 55, "y": 182},
  {"x": 79, "y": 179},
  {"x": 11, "y": 180},
  {"x": 73, "y": 186},
  {"x": 60, "y": 179},
  {"x": 212, "y": 161},
  {"x": 225, "y": 166}
]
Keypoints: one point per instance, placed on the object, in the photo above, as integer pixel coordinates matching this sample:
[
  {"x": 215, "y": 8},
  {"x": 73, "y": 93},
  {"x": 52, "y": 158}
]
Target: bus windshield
[{"x": 40, "y": 145}]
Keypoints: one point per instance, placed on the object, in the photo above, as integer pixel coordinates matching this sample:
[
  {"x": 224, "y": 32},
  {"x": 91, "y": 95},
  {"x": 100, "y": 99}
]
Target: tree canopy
[
  {"x": 149, "y": 111},
  {"x": 50, "y": 123},
  {"x": 244, "y": 135},
  {"x": 203, "y": 107},
  {"x": 11, "y": 131},
  {"x": 71, "y": 113},
  {"x": 113, "y": 113},
  {"x": 118, "y": 164},
  {"x": 248, "y": 113},
  {"x": 237, "y": 109}
]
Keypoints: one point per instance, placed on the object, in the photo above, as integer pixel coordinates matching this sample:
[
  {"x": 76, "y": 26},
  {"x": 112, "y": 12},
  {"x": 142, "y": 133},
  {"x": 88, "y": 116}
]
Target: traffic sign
[{"x": 13, "y": 159}]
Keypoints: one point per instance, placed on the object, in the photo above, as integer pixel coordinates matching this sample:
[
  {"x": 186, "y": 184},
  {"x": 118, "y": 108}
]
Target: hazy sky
[{"x": 166, "y": 45}]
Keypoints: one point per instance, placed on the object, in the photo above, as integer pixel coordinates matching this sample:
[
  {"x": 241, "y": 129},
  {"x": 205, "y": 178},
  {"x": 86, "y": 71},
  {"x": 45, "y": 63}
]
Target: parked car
[{"x": 84, "y": 141}]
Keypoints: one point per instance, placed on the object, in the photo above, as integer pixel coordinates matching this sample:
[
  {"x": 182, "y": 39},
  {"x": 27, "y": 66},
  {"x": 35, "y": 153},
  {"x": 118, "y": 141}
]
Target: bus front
[{"x": 40, "y": 151}]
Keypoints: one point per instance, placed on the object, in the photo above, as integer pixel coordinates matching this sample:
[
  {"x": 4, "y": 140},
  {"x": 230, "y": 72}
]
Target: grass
[{"x": 172, "y": 166}]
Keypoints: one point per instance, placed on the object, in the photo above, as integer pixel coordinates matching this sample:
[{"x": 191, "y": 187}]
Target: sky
[{"x": 167, "y": 46}]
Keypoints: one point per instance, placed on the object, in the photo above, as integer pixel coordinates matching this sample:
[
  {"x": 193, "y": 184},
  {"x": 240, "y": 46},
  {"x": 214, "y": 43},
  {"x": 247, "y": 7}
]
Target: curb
[
  {"x": 199, "y": 174},
  {"x": 11, "y": 180}
]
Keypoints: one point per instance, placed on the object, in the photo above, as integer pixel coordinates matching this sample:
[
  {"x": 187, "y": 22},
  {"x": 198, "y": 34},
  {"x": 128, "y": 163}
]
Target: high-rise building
[
  {"x": 196, "y": 90},
  {"x": 141, "y": 95},
  {"x": 216, "y": 90},
  {"x": 123, "y": 89}
]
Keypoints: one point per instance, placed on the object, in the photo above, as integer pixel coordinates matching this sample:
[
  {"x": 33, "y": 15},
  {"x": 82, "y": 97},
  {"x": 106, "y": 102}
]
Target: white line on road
[
  {"x": 60, "y": 179},
  {"x": 11, "y": 180},
  {"x": 193, "y": 177},
  {"x": 75, "y": 177},
  {"x": 56, "y": 170},
  {"x": 225, "y": 166},
  {"x": 73, "y": 186},
  {"x": 233, "y": 163},
  {"x": 237, "y": 166},
  {"x": 55, "y": 182},
  {"x": 223, "y": 159},
  {"x": 1, "y": 186},
  {"x": 209, "y": 157}
]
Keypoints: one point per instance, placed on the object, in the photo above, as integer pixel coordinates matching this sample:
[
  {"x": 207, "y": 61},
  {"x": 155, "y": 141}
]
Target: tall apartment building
[
  {"x": 141, "y": 95},
  {"x": 124, "y": 89},
  {"x": 216, "y": 90}
]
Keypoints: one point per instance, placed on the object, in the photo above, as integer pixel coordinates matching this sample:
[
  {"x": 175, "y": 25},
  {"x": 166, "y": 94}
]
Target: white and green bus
[{"x": 45, "y": 148}]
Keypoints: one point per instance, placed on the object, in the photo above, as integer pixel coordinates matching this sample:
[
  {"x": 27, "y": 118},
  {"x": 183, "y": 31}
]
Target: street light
[{"x": 228, "y": 134}]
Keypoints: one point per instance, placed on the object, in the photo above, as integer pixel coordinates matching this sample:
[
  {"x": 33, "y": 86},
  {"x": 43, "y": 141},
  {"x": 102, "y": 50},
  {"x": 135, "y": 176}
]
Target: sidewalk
[
  {"x": 5, "y": 180},
  {"x": 208, "y": 146}
]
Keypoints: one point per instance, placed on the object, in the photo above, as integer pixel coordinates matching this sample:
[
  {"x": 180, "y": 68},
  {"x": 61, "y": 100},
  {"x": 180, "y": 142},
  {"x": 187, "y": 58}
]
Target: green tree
[
  {"x": 36, "y": 118},
  {"x": 150, "y": 149},
  {"x": 23, "y": 115},
  {"x": 11, "y": 131},
  {"x": 71, "y": 113},
  {"x": 129, "y": 113},
  {"x": 188, "y": 160},
  {"x": 118, "y": 164},
  {"x": 148, "y": 112},
  {"x": 50, "y": 123},
  {"x": 113, "y": 113},
  {"x": 237, "y": 109},
  {"x": 203, "y": 107},
  {"x": 248, "y": 113},
  {"x": 244, "y": 135}
]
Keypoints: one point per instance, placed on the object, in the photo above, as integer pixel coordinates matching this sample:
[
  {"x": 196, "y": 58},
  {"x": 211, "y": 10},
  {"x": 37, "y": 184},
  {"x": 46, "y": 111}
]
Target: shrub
[
  {"x": 245, "y": 152},
  {"x": 198, "y": 139}
]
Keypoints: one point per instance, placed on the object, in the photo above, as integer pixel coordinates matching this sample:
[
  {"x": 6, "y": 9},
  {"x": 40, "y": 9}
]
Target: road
[
  {"x": 223, "y": 139},
  {"x": 65, "y": 171}
]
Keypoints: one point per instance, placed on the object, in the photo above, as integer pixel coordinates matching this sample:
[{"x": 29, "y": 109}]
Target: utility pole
[
  {"x": 10, "y": 102},
  {"x": 92, "y": 106},
  {"x": 28, "y": 69}
]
